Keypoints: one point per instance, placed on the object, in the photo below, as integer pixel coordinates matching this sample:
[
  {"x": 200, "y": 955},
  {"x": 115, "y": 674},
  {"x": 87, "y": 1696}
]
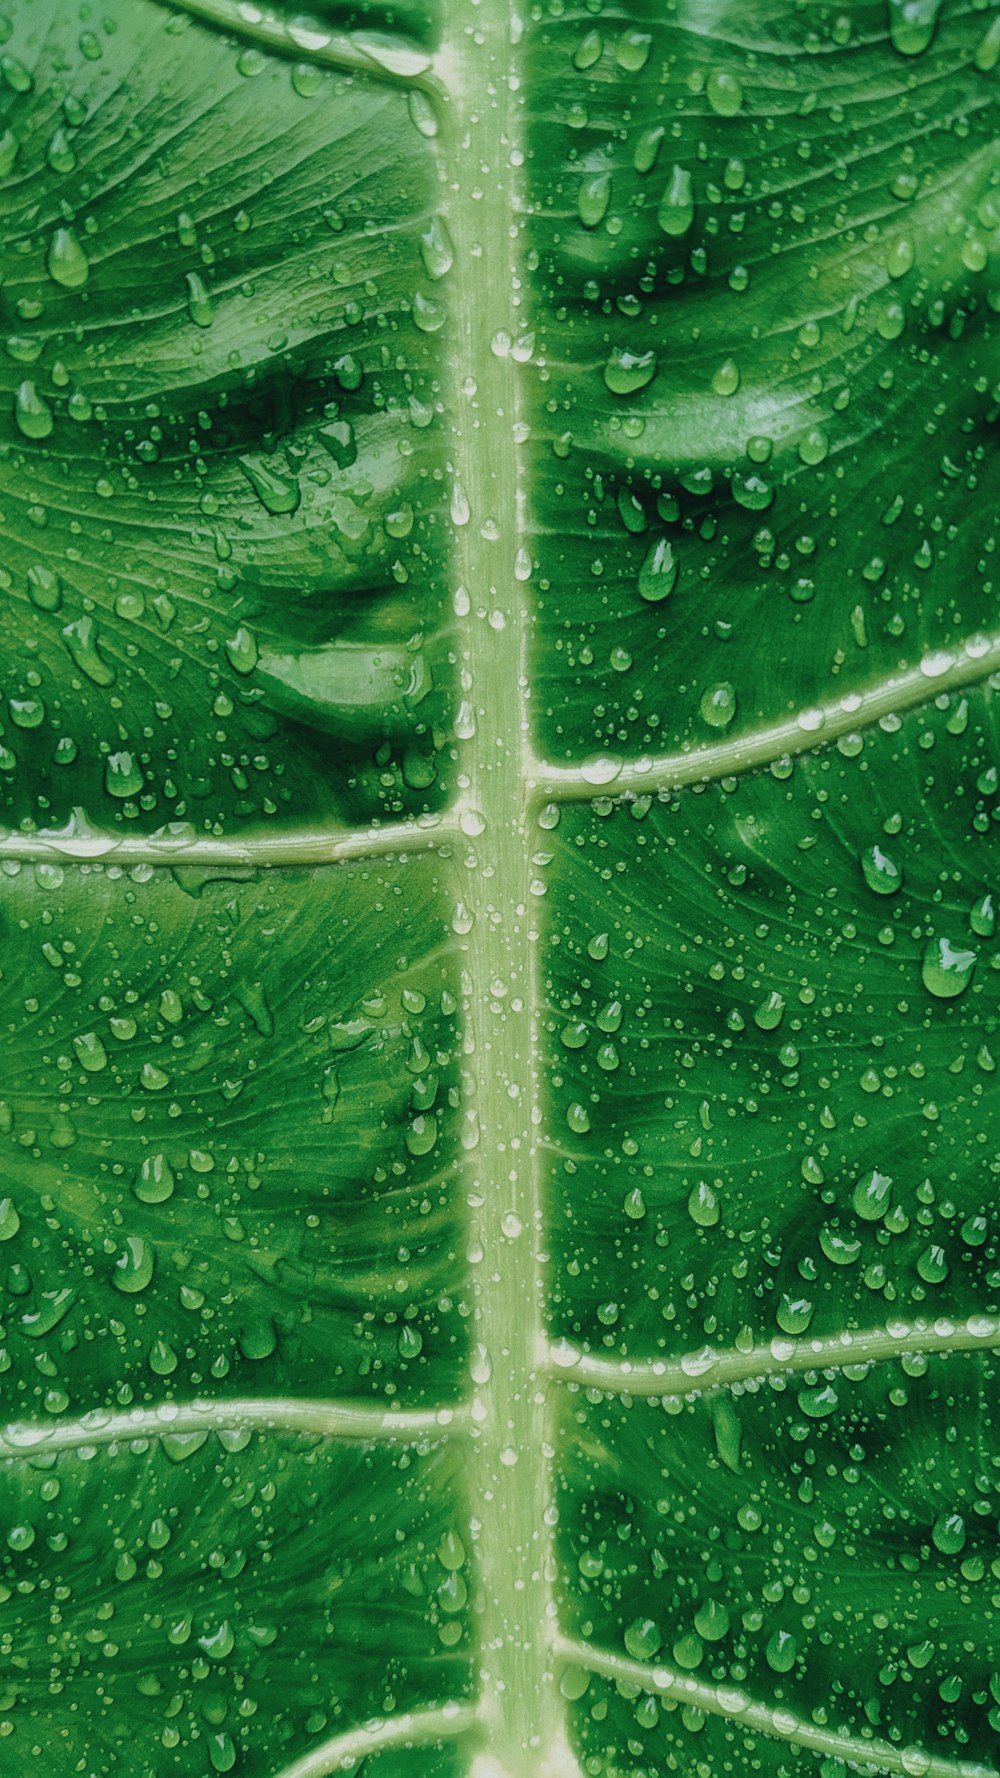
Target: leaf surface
[{"x": 498, "y": 770}]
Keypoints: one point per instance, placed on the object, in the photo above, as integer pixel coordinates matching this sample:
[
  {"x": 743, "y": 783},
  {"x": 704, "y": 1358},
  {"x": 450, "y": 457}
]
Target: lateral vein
[
  {"x": 967, "y": 663},
  {"x": 80, "y": 843},
  {"x": 393, "y": 59},
  {"x": 331, "y": 1419},
  {"x": 417, "y": 1728},
  {"x": 733, "y": 1704},
  {"x": 698, "y": 1372}
]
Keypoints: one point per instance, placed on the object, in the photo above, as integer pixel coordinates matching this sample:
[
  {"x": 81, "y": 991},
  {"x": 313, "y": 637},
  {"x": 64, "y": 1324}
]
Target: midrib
[{"x": 508, "y": 1477}]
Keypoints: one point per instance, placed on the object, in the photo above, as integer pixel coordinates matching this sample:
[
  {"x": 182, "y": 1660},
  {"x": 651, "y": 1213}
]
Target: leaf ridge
[
  {"x": 179, "y": 844},
  {"x": 330, "y": 1419},
  {"x": 698, "y": 1372}
]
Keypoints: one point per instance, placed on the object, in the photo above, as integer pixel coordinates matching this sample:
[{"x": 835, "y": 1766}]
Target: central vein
[{"x": 509, "y": 1477}]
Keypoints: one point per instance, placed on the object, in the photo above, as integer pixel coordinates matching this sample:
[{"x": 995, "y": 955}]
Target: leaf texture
[{"x": 498, "y": 767}]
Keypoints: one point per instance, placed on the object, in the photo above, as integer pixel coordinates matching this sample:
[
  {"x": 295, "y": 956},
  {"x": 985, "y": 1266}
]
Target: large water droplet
[
  {"x": 627, "y": 371},
  {"x": 880, "y": 871},
  {"x": 718, "y": 705},
  {"x": 947, "y": 968},
  {"x": 32, "y": 412},
  {"x": 911, "y": 25},
  {"x": 67, "y": 263},
  {"x": 659, "y": 571},
  {"x": 676, "y": 212}
]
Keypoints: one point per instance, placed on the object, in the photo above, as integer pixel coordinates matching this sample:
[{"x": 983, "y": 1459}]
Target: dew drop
[
  {"x": 67, "y": 263},
  {"x": 32, "y": 412},
  {"x": 880, "y": 871},
  {"x": 134, "y": 1266},
  {"x": 718, "y": 705},
  {"x": 676, "y": 212},
  {"x": 643, "y": 1639},
  {"x": 947, "y": 968},
  {"x": 724, "y": 93},
  {"x": 659, "y": 571},
  {"x": 626, "y": 371}
]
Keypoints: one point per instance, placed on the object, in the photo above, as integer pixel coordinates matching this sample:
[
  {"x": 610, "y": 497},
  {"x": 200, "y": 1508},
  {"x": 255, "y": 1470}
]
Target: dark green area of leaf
[
  {"x": 216, "y": 441},
  {"x": 191, "y": 1601},
  {"x": 839, "y": 1565},
  {"x": 767, "y": 1034},
  {"x": 798, "y": 225},
  {"x": 199, "y": 1196}
]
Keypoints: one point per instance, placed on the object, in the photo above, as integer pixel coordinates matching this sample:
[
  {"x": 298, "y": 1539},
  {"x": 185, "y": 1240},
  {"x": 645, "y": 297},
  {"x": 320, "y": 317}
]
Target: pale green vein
[
  {"x": 509, "y": 1470},
  {"x": 697, "y": 1372},
  {"x": 417, "y": 1728},
  {"x": 78, "y": 842},
  {"x": 946, "y": 669},
  {"x": 357, "y": 1421},
  {"x": 382, "y": 55},
  {"x": 768, "y": 1719}
]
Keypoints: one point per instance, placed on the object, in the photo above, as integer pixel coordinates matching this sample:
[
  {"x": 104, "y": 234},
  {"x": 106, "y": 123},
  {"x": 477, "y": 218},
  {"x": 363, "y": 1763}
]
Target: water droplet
[
  {"x": 948, "y": 1534},
  {"x": 600, "y": 768},
  {"x": 711, "y": 1620},
  {"x": 770, "y": 1012},
  {"x": 933, "y": 1265},
  {"x": 44, "y": 587},
  {"x": 589, "y": 51},
  {"x": 134, "y": 1266},
  {"x": 422, "y": 112},
  {"x": 703, "y": 1205},
  {"x": 676, "y": 212},
  {"x": 642, "y": 1639},
  {"x": 277, "y": 490},
  {"x": 241, "y": 649},
  {"x": 60, "y": 154},
  {"x": 724, "y": 93},
  {"x": 911, "y": 25},
  {"x": 718, "y": 705},
  {"x": 781, "y": 1651},
  {"x": 880, "y": 871},
  {"x": 32, "y": 412},
  {"x": 983, "y": 917},
  {"x": 593, "y": 199},
  {"x": 659, "y": 571},
  {"x": 947, "y": 968},
  {"x": 67, "y": 263},
  {"x": 726, "y": 380},
  {"x": 10, "y": 1221},
  {"x": 647, "y": 150},
  {"x": 154, "y": 1183},
  {"x": 422, "y": 1134},
  {"x": 871, "y": 1195},
  {"x": 123, "y": 776},
  {"x": 90, "y": 1052},
  {"x": 436, "y": 248},
  {"x": 794, "y": 1314},
  {"x": 409, "y": 1343},
  {"x": 626, "y": 372},
  {"x": 199, "y": 302}
]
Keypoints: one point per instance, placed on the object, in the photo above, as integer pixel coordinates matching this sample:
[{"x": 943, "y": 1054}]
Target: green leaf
[{"x": 498, "y": 757}]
